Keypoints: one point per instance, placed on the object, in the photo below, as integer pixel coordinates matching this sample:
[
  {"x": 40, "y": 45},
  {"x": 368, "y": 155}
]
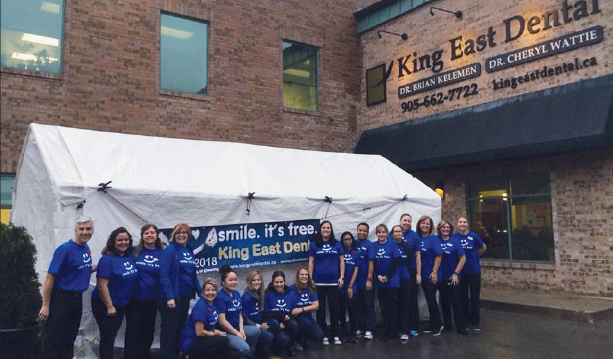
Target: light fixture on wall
[
  {"x": 403, "y": 36},
  {"x": 439, "y": 187},
  {"x": 457, "y": 14}
]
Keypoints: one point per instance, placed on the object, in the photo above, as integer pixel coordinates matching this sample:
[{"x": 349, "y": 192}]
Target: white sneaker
[
  {"x": 368, "y": 335},
  {"x": 325, "y": 341},
  {"x": 404, "y": 337},
  {"x": 337, "y": 341}
]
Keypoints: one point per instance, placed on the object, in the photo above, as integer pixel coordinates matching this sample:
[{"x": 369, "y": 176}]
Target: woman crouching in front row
[{"x": 200, "y": 339}]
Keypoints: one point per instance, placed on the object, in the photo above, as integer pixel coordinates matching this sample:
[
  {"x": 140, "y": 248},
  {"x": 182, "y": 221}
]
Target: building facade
[{"x": 506, "y": 105}]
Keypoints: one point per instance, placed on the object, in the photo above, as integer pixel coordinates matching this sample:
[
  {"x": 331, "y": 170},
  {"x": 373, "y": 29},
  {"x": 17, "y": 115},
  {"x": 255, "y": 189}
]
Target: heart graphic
[{"x": 196, "y": 233}]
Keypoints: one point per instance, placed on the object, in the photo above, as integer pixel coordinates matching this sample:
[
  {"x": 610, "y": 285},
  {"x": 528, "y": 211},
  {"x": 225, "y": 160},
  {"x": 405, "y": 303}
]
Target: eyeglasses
[{"x": 181, "y": 233}]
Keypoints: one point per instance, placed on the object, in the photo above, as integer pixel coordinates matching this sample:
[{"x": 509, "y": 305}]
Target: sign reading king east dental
[
  {"x": 247, "y": 245},
  {"x": 512, "y": 28}
]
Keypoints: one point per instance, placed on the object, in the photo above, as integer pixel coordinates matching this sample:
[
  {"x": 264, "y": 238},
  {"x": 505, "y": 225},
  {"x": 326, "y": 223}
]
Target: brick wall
[
  {"x": 110, "y": 75},
  {"x": 582, "y": 209}
]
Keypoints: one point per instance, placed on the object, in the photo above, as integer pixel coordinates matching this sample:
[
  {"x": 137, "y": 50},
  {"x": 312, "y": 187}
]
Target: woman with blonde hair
[{"x": 253, "y": 306}]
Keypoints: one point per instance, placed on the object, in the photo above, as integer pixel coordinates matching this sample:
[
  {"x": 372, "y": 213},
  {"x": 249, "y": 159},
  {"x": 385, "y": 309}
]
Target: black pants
[
  {"x": 62, "y": 326},
  {"x": 388, "y": 301},
  {"x": 140, "y": 328},
  {"x": 470, "y": 294},
  {"x": 171, "y": 326},
  {"x": 413, "y": 303},
  {"x": 365, "y": 309},
  {"x": 328, "y": 295},
  {"x": 213, "y": 347},
  {"x": 108, "y": 326},
  {"x": 346, "y": 305},
  {"x": 450, "y": 299},
  {"x": 430, "y": 294},
  {"x": 404, "y": 307}
]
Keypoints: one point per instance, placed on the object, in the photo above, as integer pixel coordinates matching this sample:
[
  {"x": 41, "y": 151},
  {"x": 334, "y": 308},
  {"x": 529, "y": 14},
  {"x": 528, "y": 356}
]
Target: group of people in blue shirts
[
  {"x": 341, "y": 278},
  {"x": 348, "y": 273}
]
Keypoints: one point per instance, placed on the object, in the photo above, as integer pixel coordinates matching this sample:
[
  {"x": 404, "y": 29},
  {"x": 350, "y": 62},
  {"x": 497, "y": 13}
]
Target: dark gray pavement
[{"x": 503, "y": 335}]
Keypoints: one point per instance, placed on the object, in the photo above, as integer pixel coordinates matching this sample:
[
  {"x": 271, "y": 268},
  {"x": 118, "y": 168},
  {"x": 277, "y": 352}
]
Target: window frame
[
  {"x": 317, "y": 78},
  {"x": 46, "y": 74},
  {"x": 177, "y": 93},
  {"x": 508, "y": 206}
]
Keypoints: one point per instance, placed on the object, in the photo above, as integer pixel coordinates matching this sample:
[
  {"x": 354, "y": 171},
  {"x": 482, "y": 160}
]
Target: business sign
[
  {"x": 249, "y": 244},
  {"x": 440, "y": 80},
  {"x": 541, "y": 50}
]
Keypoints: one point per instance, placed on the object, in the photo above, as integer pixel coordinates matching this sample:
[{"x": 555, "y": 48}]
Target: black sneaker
[
  {"x": 427, "y": 330},
  {"x": 438, "y": 332}
]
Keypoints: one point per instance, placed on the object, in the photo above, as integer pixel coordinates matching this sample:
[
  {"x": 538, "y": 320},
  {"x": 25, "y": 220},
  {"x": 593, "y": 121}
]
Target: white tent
[{"x": 166, "y": 181}]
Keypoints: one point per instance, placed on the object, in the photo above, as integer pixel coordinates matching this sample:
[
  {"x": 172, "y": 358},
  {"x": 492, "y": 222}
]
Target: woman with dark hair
[
  {"x": 279, "y": 303},
  {"x": 404, "y": 291},
  {"x": 327, "y": 268},
  {"x": 388, "y": 281},
  {"x": 347, "y": 299},
  {"x": 142, "y": 310},
  {"x": 253, "y": 305},
  {"x": 200, "y": 338},
  {"x": 116, "y": 275},
  {"x": 243, "y": 338},
  {"x": 178, "y": 285},
  {"x": 451, "y": 265},
  {"x": 470, "y": 284},
  {"x": 431, "y": 254},
  {"x": 305, "y": 291}
]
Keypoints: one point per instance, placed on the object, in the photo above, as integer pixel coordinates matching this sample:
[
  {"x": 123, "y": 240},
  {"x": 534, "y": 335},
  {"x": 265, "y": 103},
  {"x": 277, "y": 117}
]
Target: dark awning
[{"x": 567, "y": 118}]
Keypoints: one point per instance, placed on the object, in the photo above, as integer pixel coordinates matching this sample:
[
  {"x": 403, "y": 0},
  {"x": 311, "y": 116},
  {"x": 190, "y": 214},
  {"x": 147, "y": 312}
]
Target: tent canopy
[{"x": 166, "y": 181}]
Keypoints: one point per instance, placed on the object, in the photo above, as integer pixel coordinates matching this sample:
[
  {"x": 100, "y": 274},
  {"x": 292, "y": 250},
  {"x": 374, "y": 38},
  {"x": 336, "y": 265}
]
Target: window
[
  {"x": 300, "y": 76},
  {"x": 513, "y": 216},
  {"x": 32, "y": 35},
  {"x": 7, "y": 181},
  {"x": 184, "y": 55}
]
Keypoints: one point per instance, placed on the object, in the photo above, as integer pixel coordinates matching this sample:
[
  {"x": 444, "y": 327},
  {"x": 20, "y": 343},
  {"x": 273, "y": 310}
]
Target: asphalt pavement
[{"x": 502, "y": 335}]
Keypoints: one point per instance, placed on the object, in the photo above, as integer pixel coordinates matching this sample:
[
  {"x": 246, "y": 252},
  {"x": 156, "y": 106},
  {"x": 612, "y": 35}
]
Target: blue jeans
[
  {"x": 171, "y": 326},
  {"x": 310, "y": 330},
  {"x": 262, "y": 348},
  {"x": 240, "y": 348},
  {"x": 284, "y": 338}
]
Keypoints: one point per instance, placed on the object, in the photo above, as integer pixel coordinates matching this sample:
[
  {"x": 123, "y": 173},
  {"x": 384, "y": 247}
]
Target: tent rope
[{"x": 126, "y": 207}]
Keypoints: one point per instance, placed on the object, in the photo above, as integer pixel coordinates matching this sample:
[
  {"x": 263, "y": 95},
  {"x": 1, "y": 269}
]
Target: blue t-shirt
[
  {"x": 148, "y": 265},
  {"x": 304, "y": 300},
  {"x": 452, "y": 251},
  {"x": 366, "y": 253},
  {"x": 403, "y": 267},
  {"x": 384, "y": 255},
  {"x": 350, "y": 257},
  {"x": 430, "y": 249},
  {"x": 326, "y": 266},
  {"x": 72, "y": 266},
  {"x": 202, "y": 312},
  {"x": 471, "y": 242},
  {"x": 187, "y": 268},
  {"x": 121, "y": 273},
  {"x": 231, "y": 306},
  {"x": 251, "y": 308},
  {"x": 280, "y": 302},
  {"x": 414, "y": 241}
]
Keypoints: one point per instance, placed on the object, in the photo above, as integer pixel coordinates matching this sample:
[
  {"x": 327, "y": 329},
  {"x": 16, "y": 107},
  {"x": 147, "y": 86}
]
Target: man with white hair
[{"x": 67, "y": 278}]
